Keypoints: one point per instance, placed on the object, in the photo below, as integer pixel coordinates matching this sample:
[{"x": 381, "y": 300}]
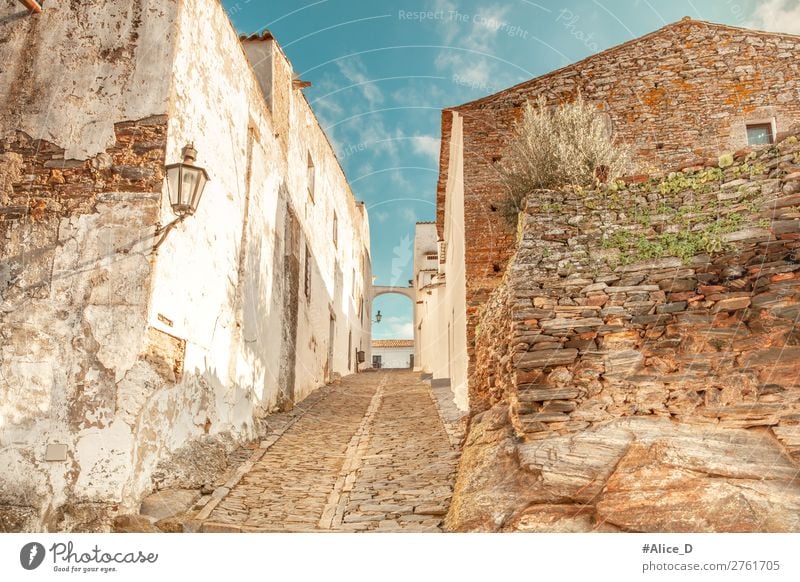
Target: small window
[
  {"x": 311, "y": 176},
  {"x": 335, "y": 229},
  {"x": 759, "y": 134},
  {"x": 307, "y": 273}
]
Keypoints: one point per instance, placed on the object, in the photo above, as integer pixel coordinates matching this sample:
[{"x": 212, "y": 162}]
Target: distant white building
[{"x": 392, "y": 353}]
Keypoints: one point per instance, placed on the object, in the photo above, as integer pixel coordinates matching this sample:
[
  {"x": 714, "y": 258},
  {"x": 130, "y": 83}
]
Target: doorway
[{"x": 331, "y": 336}]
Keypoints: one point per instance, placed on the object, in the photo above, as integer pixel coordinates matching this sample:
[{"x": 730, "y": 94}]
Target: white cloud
[
  {"x": 419, "y": 95},
  {"x": 408, "y": 215},
  {"x": 479, "y": 34},
  {"x": 355, "y": 71},
  {"x": 393, "y": 328},
  {"x": 402, "y": 330},
  {"x": 380, "y": 216},
  {"x": 427, "y": 146},
  {"x": 777, "y": 16}
]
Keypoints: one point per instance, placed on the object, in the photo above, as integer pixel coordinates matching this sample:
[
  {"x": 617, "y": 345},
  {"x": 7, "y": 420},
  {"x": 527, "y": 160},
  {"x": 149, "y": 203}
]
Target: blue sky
[{"x": 382, "y": 71}]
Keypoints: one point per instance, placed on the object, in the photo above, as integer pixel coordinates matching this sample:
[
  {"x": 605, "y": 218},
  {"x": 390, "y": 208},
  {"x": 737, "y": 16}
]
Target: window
[
  {"x": 310, "y": 176},
  {"x": 759, "y": 133},
  {"x": 335, "y": 229},
  {"x": 376, "y": 361},
  {"x": 307, "y": 273}
]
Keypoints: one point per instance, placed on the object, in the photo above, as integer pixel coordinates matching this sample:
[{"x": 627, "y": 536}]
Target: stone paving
[{"x": 374, "y": 453}]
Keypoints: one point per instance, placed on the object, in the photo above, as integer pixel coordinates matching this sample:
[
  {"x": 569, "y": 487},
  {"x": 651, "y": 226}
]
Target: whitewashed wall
[
  {"x": 455, "y": 301},
  {"x": 226, "y": 286},
  {"x": 393, "y": 357},
  {"x": 441, "y": 305},
  {"x": 218, "y": 283},
  {"x": 71, "y": 342}
]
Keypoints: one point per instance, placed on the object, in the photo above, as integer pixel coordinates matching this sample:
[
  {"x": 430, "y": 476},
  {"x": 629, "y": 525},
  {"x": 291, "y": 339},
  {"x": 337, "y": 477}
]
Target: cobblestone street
[{"x": 377, "y": 452}]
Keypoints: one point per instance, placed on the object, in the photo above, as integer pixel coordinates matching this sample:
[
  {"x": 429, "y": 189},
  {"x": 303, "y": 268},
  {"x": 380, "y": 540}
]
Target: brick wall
[{"x": 680, "y": 96}]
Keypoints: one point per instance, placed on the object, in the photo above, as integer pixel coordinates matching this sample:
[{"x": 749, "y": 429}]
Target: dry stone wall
[{"x": 643, "y": 340}]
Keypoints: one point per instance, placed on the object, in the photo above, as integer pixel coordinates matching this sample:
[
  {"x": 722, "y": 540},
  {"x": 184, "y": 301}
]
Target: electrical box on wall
[{"x": 55, "y": 452}]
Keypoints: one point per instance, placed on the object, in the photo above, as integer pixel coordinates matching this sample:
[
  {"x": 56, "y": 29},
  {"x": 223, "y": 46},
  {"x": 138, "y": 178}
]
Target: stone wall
[
  {"x": 679, "y": 96},
  {"x": 638, "y": 367}
]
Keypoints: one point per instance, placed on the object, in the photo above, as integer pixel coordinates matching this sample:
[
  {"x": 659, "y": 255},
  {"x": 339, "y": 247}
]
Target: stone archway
[{"x": 410, "y": 292}]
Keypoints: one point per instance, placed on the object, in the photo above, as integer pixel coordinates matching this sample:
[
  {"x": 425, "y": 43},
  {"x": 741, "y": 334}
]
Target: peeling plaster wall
[
  {"x": 123, "y": 354},
  {"x": 69, "y": 73},
  {"x": 82, "y": 138}
]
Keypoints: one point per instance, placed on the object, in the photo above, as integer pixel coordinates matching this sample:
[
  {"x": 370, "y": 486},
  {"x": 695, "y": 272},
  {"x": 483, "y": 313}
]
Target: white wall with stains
[
  {"x": 71, "y": 72},
  {"x": 125, "y": 354}
]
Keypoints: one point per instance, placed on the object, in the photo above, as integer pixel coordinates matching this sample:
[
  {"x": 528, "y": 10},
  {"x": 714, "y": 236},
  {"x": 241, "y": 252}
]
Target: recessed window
[
  {"x": 759, "y": 134},
  {"x": 307, "y": 273},
  {"x": 311, "y": 176}
]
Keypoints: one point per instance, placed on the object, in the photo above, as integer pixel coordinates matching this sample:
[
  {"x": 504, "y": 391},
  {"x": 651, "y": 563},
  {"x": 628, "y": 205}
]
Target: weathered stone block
[{"x": 543, "y": 358}]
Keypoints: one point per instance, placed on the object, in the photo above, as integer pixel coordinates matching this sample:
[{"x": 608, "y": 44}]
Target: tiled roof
[
  {"x": 265, "y": 35},
  {"x": 393, "y": 343}
]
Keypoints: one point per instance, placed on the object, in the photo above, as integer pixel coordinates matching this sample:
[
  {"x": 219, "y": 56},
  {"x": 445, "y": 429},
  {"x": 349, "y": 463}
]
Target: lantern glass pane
[
  {"x": 188, "y": 188},
  {"x": 201, "y": 185},
  {"x": 173, "y": 184}
]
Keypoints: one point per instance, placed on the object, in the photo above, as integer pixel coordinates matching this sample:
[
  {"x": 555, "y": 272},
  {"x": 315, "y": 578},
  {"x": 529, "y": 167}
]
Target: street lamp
[{"x": 185, "y": 185}]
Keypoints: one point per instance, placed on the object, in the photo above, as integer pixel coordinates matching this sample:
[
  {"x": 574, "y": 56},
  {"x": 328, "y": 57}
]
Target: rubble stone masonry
[
  {"x": 638, "y": 368},
  {"x": 679, "y": 96}
]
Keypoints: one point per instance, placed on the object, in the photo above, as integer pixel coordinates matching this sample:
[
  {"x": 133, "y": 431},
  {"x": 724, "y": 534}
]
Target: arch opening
[{"x": 393, "y": 338}]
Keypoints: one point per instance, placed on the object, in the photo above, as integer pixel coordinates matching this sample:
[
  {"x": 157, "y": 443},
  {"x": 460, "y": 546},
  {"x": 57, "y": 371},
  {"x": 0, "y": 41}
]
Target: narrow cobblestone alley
[{"x": 377, "y": 452}]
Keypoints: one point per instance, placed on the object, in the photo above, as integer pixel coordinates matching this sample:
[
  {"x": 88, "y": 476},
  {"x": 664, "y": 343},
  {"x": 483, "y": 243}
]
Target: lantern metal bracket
[{"x": 163, "y": 231}]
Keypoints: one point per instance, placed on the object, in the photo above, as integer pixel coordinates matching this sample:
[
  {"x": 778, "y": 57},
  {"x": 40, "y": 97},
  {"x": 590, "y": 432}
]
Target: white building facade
[
  {"x": 142, "y": 345},
  {"x": 440, "y": 286},
  {"x": 393, "y": 354}
]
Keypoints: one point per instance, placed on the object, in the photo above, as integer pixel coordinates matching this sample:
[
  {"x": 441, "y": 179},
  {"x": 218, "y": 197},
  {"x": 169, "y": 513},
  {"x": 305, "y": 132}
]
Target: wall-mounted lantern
[
  {"x": 185, "y": 185},
  {"x": 378, "y": 317}
]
